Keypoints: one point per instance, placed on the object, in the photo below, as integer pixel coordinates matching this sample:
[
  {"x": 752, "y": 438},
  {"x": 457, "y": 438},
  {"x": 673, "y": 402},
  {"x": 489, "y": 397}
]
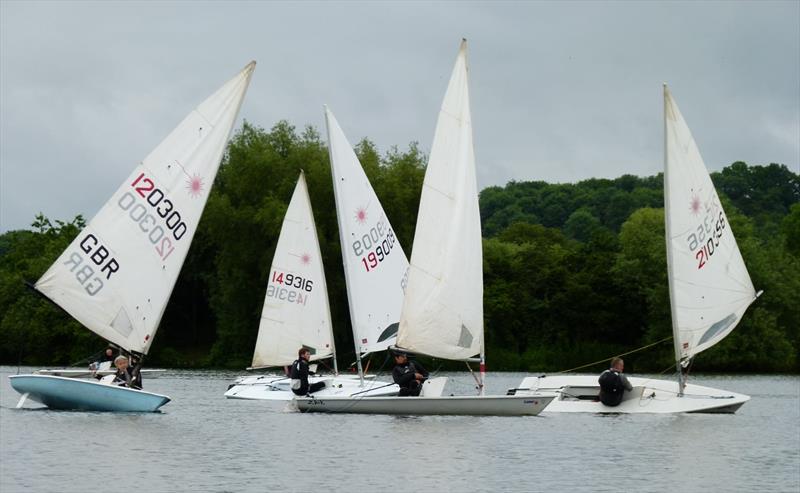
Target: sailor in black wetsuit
[
  {"x": 409, "y": 375},
  {"x": 299, "y": 373},
  {"x": 614, "y": 383}
]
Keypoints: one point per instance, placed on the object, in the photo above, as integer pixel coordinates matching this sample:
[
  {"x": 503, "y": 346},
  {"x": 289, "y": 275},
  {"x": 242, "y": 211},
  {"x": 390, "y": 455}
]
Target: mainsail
[
  {"x": 443, "y": 308},
  {"x": 296, "y": 312},
  {"x": 374, "y": 262},
  {"x": 710, "y": 288},
  {"x": 117, "y": 275}
]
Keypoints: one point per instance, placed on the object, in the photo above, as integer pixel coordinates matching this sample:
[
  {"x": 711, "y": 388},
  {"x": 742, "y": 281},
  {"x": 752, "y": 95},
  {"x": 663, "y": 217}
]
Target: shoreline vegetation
[{"x": 573, "y": 273}]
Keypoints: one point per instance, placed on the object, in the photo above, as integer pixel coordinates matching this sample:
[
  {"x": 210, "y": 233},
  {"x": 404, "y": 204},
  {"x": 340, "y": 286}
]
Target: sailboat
[
  {"x": 442, "y": 313},
  {"x": 709, "y": 289},
  {"x": 116, "y": 277},
  {"x": 296, "y": 314}
]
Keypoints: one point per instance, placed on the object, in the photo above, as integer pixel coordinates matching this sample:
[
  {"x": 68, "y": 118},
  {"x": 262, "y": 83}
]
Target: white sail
[
  {"x": 117, "y": 275},
  {"x": 374, "y": 262},
  {"x": 443, "y": 308},
  {"x": 296, "y": 311},
  {"x": 710, "y": 288}
]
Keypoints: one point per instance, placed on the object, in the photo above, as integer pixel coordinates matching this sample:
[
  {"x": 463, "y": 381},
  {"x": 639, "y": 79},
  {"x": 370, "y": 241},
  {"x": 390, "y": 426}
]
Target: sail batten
[
  {"x": 295, "y": 312},
  {"x": 116, "y": 277},
  {"x": 710, "y": 288}
]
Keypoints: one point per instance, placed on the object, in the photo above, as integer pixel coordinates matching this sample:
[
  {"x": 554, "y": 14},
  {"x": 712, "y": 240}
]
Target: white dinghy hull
[
  {"x": 461, "y": 405},
  {"x": 578, "y": 394},
  {"x": 276, "y": 388},
  {"x": 85, "y": 395}
]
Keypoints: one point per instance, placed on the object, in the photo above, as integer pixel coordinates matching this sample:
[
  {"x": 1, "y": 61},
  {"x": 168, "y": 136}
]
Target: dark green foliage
[{"x": 573, "y": 273}]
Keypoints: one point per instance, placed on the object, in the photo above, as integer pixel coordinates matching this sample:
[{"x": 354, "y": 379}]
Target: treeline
[{"x": 573, "y": 273}]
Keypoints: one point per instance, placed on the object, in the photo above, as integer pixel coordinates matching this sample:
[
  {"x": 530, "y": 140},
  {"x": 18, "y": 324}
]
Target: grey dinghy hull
[
  {"x": 466, "y": 405},
  {"x": 85, "y": 395}
]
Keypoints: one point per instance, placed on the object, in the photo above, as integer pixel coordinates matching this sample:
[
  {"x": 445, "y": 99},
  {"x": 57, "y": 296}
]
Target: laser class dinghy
[
  {"x": 442, "y": 314},
  {"x": 117, "y": 275},
  {"x": 296, "y": 312},
  {"x": 709, "y": 290}
]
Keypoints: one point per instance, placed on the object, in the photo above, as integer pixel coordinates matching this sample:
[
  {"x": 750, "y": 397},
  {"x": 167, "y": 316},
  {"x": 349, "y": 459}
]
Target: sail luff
[
  {"x": 670, "y": 262},
  {"x": 342, "y": 242},
  {"x": 116, "y": 277},
  {"x": 327, "y": 302}
]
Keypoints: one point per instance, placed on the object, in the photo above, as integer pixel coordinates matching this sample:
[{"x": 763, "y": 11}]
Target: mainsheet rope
[{"x": 616, "y": 355}]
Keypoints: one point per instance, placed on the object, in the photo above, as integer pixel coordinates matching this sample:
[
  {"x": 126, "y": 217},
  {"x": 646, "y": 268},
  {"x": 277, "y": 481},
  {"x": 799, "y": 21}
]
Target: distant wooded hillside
[{"x": 573, "y": 273}]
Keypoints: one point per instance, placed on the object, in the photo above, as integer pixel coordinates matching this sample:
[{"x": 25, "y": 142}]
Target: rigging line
[
  {"x": 606, "y": 359},
  {"x": 477, "y": 381}
]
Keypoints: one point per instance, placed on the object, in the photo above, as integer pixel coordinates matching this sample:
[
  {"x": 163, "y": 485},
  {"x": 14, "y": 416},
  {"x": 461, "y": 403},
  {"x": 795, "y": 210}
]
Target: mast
[
  {"x": 676, "y": 340},
  {"x": 343, "y": 246}
]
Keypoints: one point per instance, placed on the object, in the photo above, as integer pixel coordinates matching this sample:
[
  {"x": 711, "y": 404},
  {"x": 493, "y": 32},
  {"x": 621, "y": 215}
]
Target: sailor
[
  {"x": 614, "y": 383},
  {"x": 127, "y": 376},
  {"x": 108, "y": 356},
  {"x": 299, "y": 373},
  {"x": 409, "y": 375}
]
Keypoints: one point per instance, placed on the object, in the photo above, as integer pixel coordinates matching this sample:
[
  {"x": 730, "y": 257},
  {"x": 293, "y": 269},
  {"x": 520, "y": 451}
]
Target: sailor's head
[
  {"x": 304, "y": 353},
  {"x": 109, "y": 351},
  {"x": 617, "y": 364},
  {"x": 400, "y": 358},
  {"x": 121, "y": 362}
]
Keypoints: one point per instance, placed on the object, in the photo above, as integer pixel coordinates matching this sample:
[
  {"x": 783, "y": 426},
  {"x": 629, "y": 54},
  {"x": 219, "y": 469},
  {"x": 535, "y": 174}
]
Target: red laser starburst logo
[
  {"x": 695, "y": 205},
  {"x": 361, "y": 215},
  {"x": 305, "y": 259},
  {"x": 195, "y": 186}
]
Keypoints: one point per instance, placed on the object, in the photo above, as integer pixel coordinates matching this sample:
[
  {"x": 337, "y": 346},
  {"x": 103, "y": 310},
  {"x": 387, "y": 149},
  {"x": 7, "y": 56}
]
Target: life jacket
[
  {"x": 294, "y": 375},
  {"x": 611, "y": 388}
]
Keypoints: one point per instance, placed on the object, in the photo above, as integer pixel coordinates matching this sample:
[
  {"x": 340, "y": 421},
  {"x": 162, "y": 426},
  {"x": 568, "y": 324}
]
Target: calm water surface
[{"x": 204, "y": 442}]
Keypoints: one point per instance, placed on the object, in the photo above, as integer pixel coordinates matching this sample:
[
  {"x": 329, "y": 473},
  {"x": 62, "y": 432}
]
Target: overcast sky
[{"x": 561, "y": 91}]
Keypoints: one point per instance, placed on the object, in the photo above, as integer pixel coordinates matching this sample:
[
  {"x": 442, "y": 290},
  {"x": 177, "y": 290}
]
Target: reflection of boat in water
[
  {"x": 117, "y": 275},
  {"x": 442, "y": 314},
  {"x": 709, "y": 287},
  {"x": 299, "y": 316}
]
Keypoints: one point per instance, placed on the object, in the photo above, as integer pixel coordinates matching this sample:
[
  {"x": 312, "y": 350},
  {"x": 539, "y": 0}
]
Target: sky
[{"x": 560, "y": 91}]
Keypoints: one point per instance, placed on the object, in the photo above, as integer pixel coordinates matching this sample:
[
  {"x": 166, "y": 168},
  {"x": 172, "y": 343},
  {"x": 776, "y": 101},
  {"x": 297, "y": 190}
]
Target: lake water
[{"x": 204, "y": 442}]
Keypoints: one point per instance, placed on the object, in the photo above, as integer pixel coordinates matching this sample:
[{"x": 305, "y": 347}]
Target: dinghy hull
[
  {"x": 85, "y": 395},
  {"x": 578, "y": 394},
  {"x": 275, "y": 388},
  {"x": 473, "y": 405}
]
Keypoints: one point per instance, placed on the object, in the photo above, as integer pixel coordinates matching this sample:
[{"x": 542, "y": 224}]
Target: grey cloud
[{"x": 560, "y": 91}]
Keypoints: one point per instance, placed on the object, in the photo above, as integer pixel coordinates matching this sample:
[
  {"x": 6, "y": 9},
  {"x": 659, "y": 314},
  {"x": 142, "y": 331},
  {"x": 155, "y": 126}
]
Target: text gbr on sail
[{"x": 99, "y": 256}]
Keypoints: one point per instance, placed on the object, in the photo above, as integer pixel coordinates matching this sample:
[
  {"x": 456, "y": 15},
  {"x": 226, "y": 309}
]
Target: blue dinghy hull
[{"x": 85, "y": 395}]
